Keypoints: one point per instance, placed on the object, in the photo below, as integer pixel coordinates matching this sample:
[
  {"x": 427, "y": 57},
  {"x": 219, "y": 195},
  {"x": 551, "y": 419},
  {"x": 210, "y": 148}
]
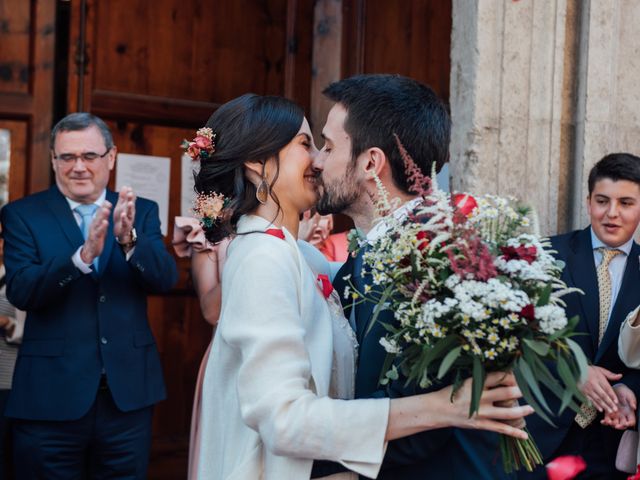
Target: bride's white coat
[{"x": 265, "y": 409}]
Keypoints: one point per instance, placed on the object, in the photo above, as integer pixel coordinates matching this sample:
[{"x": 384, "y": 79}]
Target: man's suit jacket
[
  {"x": 79, "y": 324},
  {"x": 437, "y": 454},
  {"x": 576, "y": 251}
]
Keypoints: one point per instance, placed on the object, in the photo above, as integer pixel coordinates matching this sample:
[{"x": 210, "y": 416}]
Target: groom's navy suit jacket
[
  {"x": 576, "y": 251},
  {"x": 449, "y": 453},
  {"x": 81, "y": 325}
]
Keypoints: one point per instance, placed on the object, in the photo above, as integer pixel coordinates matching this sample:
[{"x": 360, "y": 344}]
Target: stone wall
[{"x": 540, "y": 90}]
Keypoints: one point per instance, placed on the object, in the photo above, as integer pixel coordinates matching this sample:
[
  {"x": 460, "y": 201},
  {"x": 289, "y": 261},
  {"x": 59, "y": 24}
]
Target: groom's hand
[{"x": 597, "y": 388}]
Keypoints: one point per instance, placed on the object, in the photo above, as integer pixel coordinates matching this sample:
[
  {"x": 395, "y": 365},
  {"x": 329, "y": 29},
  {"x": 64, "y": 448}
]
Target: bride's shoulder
[
  {"x": 314, "y": 258},
  {"x": 259, "y": 250}
]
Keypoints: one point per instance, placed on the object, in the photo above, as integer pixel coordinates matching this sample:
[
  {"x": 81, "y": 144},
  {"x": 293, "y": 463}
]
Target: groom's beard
[{"x": 337, "y": 197}]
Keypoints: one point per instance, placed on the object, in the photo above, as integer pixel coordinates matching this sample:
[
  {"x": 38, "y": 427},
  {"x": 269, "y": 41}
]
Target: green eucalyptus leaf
[
  {"x": 541, "y": 348},
  {"x": 568, "y": 377},
  {"x": 448, "y": 361},
  {"x": 581, "y": 359},
  {"x": 477, "y": 385},
  {"x": 528, "y": 397},
  {"x": 544, "y": 296},
  {"x": 567, "y": 396},
  {"x": 530, "y": 378}
]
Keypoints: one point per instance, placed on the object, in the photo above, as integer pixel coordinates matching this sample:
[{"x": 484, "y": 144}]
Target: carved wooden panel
[
  {"x": 27, "y": 37},
  {"x": 171, "y": 61},
  {"x": 411, "y": 37},
  {"x": 155, "y": 71},
  {"x": 15, "y": 38}
]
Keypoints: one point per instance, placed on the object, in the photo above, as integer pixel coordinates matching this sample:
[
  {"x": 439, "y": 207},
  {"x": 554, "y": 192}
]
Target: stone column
[
  {"x": 506, "y": 95},
  {"x": 540, "y": 91},
  {"x": 608, "y": 104}
]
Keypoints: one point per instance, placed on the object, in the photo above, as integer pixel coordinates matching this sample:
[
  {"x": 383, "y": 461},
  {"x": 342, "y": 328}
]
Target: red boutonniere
[
  {"x": 565, "y": 467},
  {"x": 325, "y": 285}
]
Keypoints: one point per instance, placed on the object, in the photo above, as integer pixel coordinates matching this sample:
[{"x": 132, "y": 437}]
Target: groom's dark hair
[{"x": 380, "y": 105}]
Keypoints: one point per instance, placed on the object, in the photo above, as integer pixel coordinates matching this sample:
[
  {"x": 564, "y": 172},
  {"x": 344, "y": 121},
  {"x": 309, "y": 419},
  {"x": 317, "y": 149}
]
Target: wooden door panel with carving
[
  {"x": 27, "y": 37},
  {"x": 155, "y": 71}
]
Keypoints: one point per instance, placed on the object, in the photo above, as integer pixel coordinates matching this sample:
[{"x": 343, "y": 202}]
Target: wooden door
[
  {"x": 155, "y": 71},
  {"x": 410, "y": 37},
  {"x": 27, "y": 44},
  {"x": 407, "y": 37}
]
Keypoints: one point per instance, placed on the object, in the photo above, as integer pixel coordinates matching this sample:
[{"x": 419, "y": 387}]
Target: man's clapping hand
[
  {"x": 94, "y": 243},
  {"x": 124, "y": 215}
]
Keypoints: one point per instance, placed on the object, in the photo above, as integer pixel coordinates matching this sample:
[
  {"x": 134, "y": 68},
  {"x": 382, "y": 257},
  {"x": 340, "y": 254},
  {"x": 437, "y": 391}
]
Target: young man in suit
[
  {"x": 603, "y": 261},
  {"x": 88, "y": 372},
  {"x": 360, "y": 146}
]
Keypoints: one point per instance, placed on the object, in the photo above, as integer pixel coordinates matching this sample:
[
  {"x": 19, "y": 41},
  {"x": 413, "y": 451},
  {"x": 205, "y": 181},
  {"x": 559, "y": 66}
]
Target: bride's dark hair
[{"x": 250, "y": 128}]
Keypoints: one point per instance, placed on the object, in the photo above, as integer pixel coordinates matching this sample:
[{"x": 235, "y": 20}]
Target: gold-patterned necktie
[{"x": 588, "y": 412}]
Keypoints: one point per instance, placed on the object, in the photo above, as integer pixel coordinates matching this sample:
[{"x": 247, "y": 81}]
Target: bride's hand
[{"x": 499, "y": 388}]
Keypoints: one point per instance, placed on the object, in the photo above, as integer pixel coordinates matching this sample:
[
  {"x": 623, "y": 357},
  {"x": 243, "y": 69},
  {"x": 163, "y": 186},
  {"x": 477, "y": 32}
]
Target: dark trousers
[
  {"x": 5, "y": 447},
  {"x": 596, "y": 444},
  {"x": 105, "y": 443}
]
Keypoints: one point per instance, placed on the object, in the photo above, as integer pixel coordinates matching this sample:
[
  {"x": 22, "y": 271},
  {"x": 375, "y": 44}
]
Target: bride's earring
[{"x": 262, "y": 192}]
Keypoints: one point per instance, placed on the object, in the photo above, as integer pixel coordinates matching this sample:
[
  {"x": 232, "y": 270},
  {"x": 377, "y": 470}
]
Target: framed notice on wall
[
  {"x": 187, "y": 192},
  {"x": 149, "y": 177}
]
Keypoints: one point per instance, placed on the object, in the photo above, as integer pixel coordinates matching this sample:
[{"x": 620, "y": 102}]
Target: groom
[{"x": 360, "y": 146}]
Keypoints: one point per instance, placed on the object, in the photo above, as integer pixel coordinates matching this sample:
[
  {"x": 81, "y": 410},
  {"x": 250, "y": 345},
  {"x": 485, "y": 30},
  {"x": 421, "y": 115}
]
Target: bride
[{"x": 279, "y": 378}]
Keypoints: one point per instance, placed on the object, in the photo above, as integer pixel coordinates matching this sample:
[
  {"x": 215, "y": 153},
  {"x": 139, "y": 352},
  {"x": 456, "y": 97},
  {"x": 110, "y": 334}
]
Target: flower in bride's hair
[
  {"x": 202, "y": 146},
  {"x": 209, "y": 208}
]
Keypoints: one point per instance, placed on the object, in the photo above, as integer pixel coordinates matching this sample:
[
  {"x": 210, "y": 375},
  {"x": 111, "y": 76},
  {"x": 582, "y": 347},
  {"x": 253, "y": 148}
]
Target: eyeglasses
[{"x": 87, "y": 157}]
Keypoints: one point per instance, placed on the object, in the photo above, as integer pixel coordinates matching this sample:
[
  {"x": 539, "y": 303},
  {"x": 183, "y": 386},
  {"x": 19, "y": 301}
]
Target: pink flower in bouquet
[
  {"x": 528, "y": 254},
  {"x": 472, "y": 258},
  {"x": 465, "y": 203},
  {"x": 565, "y": 467}
]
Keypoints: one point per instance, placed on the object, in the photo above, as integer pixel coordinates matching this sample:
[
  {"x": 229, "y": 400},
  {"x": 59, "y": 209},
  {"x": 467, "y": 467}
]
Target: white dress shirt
[{"x": 381, "y": 227}]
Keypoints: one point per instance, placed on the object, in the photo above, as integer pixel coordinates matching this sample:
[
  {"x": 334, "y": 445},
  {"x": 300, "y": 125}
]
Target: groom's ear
[{"x": 375, "y": 162}]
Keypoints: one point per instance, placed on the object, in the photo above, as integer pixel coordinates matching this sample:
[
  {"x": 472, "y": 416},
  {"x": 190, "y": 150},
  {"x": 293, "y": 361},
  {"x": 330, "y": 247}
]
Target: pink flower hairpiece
[
  {"x": 202, "y": 146},
  {"x": 209, "y": 208}
]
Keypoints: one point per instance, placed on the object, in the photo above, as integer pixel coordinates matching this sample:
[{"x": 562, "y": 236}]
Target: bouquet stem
[{"x": 517, "y": 454}]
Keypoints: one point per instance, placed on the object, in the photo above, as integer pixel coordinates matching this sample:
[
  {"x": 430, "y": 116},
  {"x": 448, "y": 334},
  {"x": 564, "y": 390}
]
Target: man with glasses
[{"x": 81, "y": 259}]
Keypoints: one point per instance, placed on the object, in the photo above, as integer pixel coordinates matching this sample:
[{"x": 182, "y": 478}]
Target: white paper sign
[
  {"x": 187, "y": 193},
  {"x": 149, "y": 177},
  {"x": 5, "y": 154}
]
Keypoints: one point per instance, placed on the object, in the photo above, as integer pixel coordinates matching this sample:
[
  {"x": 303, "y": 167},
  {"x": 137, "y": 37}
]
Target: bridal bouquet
[{"x": 473, "y": 290}]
